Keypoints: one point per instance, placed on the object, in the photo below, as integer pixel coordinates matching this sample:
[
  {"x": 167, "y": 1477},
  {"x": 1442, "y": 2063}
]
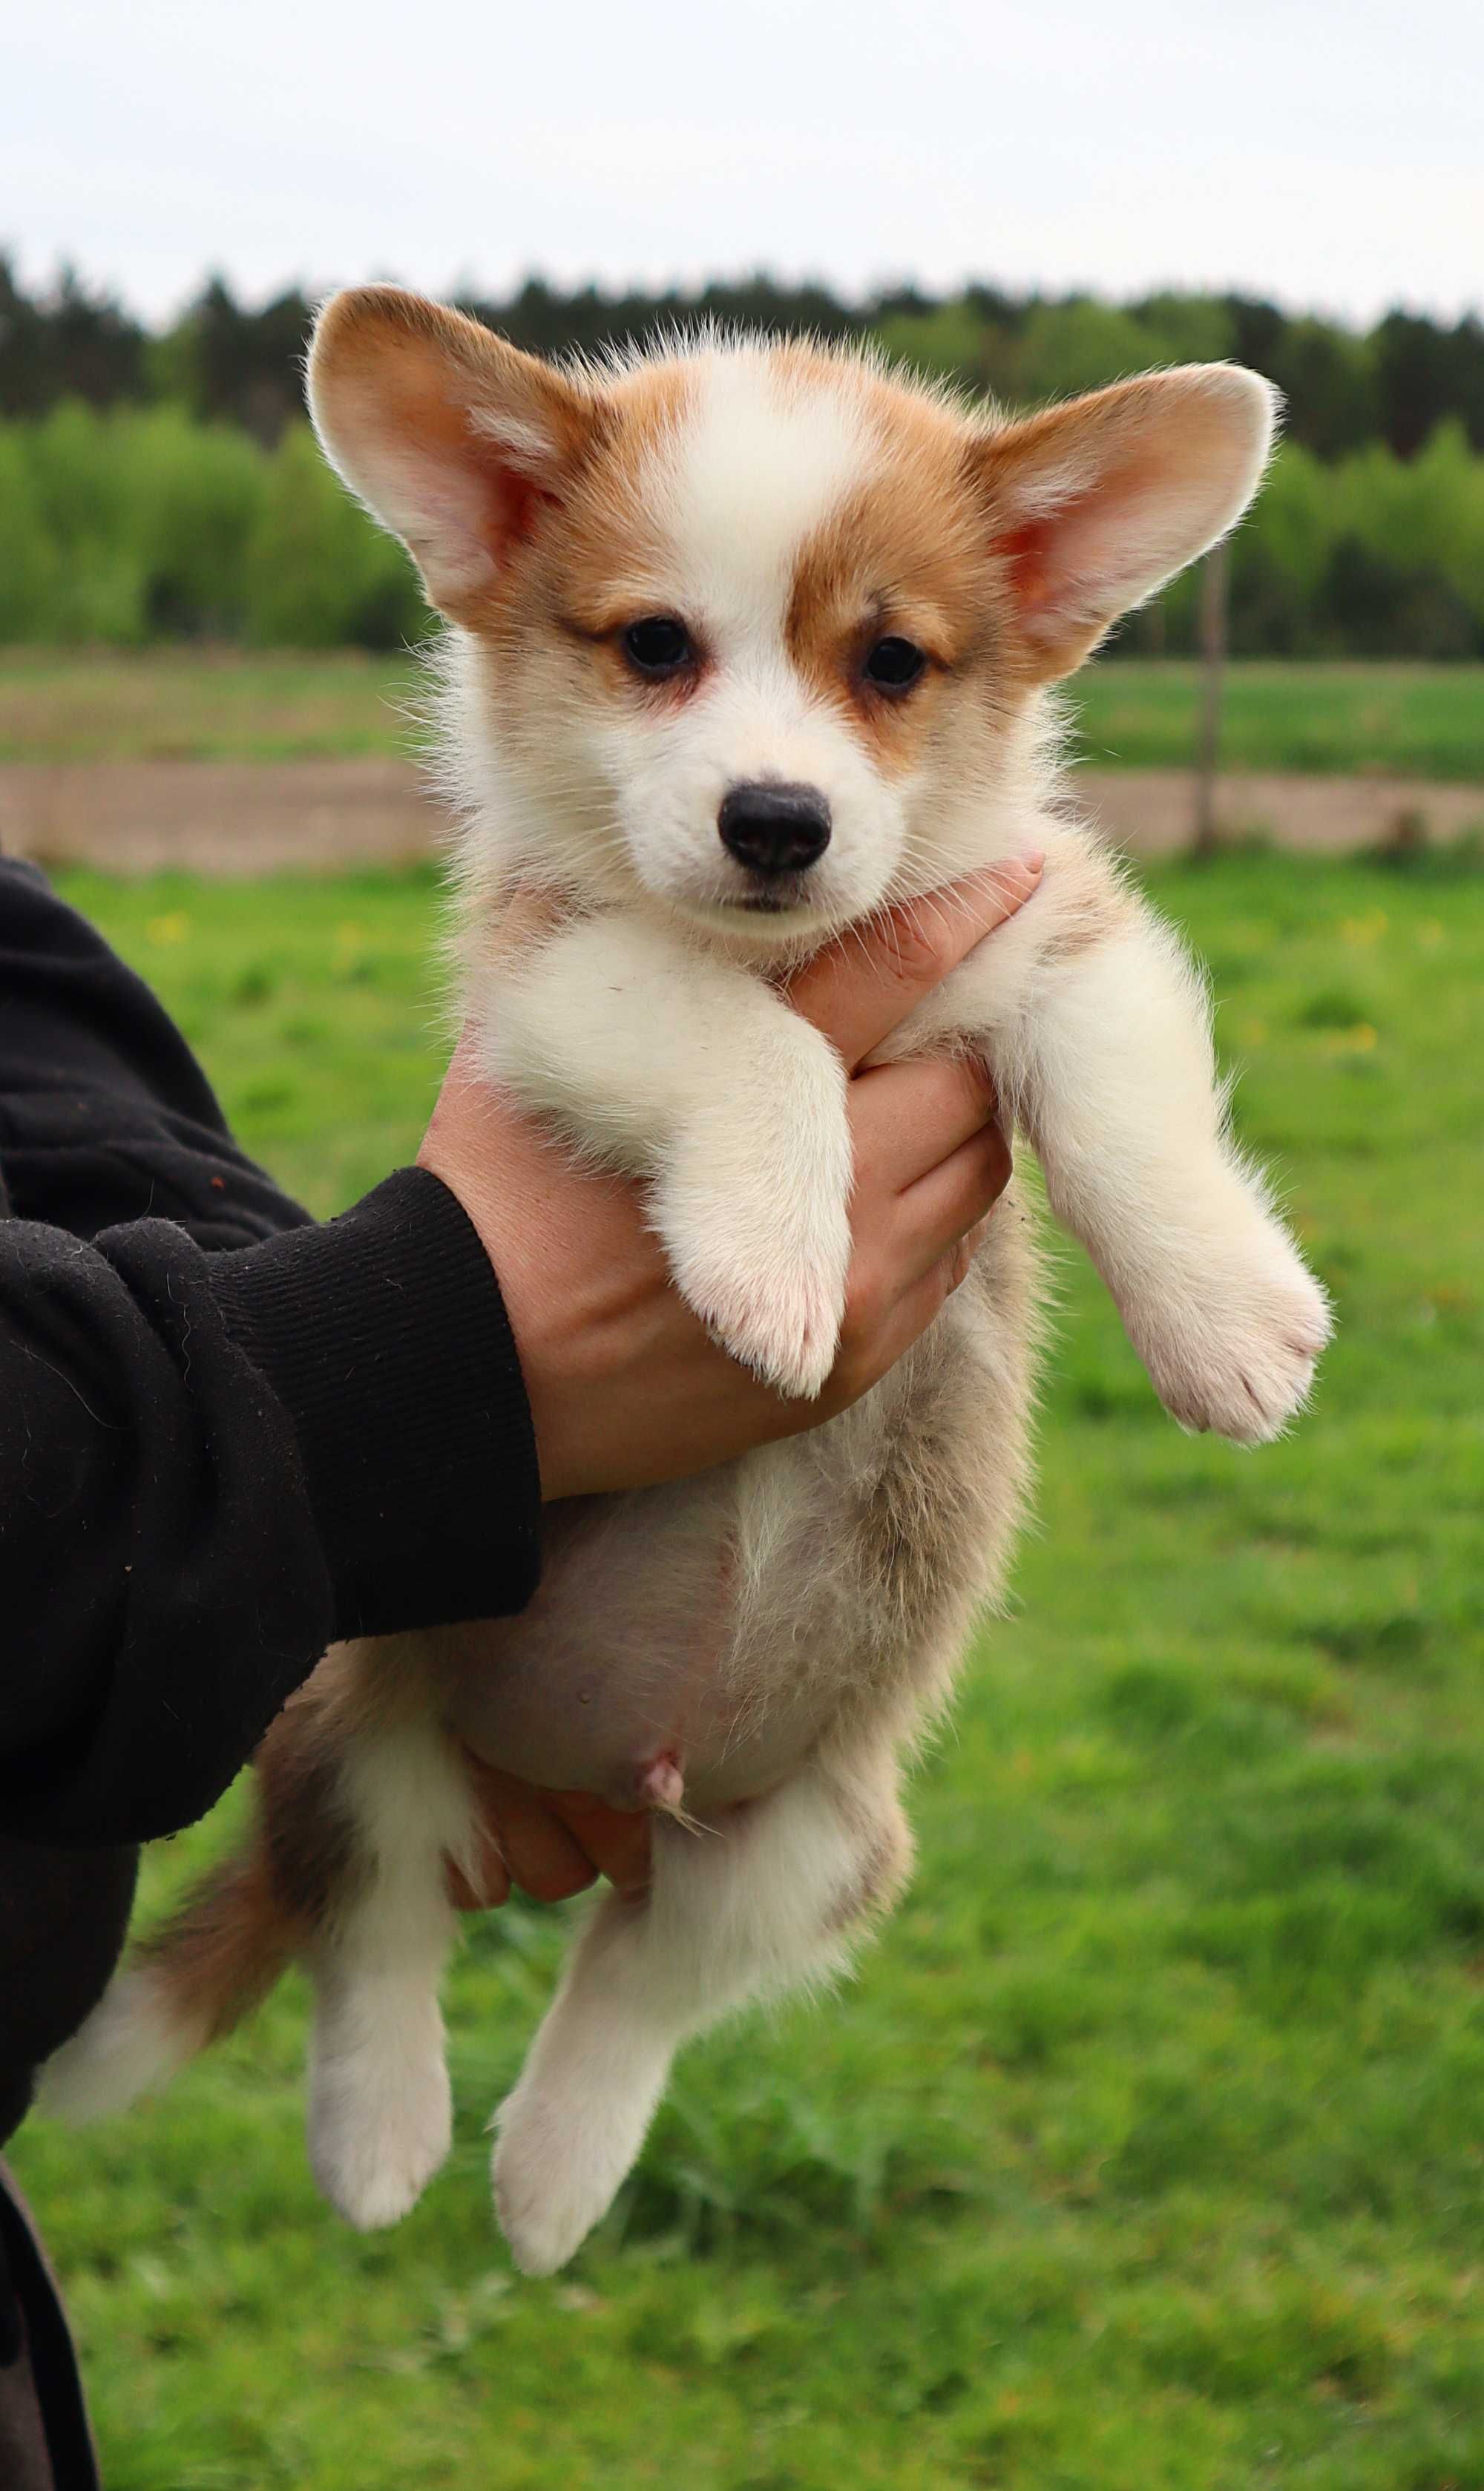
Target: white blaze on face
[
  {"x": 737, "y": 494},
  {"x": 754, "y": 473}
]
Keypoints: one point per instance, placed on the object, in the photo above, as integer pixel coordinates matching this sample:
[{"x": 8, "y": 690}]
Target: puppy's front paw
[
  {"x": 765, "y": 1270},
  {"x": 1234, "y": 1350},
  {"x": 782, "y": 1319}
]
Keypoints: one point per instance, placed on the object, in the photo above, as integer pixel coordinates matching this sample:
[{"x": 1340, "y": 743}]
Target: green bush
[
  {"x": 1372, "y": 557},
  {"x": 129, "y": 524},
  {"x": 198, "y": 493},
  {"x": 124, "y": 526},
  {"x": 318, "y": 574},
  {"x": 28, "y": 553},
  {"x": 77, "y": 477}
]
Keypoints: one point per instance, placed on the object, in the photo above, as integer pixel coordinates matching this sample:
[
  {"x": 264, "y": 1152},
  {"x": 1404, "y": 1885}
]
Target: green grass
[
  {"x": 1148, "y": 2151},
  {"x": 222, "y": 705},
  {"x": 1403, "y": 721},
  {"x": 1410, "y": 720}
]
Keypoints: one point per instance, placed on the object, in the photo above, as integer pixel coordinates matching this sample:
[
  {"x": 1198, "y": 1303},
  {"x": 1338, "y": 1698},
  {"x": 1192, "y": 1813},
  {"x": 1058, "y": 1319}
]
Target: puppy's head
[{"x": 753, "y": 626}]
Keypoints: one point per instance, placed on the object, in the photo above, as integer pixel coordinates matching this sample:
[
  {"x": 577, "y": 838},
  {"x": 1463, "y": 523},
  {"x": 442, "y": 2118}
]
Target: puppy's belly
[{"x": 637, "y": 1672}]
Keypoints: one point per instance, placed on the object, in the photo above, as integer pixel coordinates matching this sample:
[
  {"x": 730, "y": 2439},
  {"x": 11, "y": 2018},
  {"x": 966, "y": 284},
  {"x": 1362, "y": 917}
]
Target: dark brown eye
[
  {"x": 657, "y": 647},
  {"x": 895, "y": 665}
]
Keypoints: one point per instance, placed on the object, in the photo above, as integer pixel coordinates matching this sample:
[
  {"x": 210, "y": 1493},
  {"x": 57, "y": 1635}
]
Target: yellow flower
[{"x": 172, "y": 928}]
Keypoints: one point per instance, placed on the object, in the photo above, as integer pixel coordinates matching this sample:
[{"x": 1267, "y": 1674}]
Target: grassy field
[
  {"x": 1148, "y": 2151},
  {"x": 224, "y": 705},
  {"x": 1409, "y": 720}
]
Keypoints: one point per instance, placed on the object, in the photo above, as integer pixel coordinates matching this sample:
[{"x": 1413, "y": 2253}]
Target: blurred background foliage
[{"x": 163, "y": 486}]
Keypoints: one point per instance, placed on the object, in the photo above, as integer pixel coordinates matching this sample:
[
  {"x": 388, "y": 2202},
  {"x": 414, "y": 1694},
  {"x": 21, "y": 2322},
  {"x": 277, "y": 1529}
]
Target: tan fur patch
[
  {"x": 308, "y": 1836},
  {"x": 387, "y": 366},
  {"x": 906, "y": 557},
  {"x": 226, "y": 1946},
  {"x": 1089, "y": 915},
  {"x": 601, "y": 562}
]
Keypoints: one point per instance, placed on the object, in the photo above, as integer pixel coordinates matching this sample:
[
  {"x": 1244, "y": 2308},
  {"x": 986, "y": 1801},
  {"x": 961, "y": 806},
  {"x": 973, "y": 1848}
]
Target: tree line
[
  {"x": 165, "y": 485},
  {"x": 227, "y": 362}
]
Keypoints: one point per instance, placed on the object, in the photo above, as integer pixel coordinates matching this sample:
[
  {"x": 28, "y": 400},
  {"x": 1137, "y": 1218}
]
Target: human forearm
[{"x": 211, "y": 1466}]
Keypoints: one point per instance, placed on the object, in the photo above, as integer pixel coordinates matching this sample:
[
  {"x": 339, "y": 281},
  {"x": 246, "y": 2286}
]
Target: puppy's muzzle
[{"x": 772, "y": 827}]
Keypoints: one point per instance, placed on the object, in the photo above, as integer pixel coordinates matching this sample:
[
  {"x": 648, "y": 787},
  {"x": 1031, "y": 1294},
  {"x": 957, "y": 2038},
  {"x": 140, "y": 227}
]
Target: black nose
[{"x": 774, "y": 829}]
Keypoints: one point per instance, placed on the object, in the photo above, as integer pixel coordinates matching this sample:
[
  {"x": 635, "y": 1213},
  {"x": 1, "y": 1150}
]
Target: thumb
[{"x": 859, "y": 988}]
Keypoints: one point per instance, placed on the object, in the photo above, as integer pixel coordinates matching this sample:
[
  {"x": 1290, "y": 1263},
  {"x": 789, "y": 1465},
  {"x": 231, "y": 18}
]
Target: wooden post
[{"x": 1213, "y": 650}]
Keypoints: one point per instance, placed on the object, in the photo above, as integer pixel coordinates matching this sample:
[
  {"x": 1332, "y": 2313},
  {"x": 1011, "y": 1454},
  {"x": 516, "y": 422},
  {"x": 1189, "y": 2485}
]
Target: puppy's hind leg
[
  {"x": 361, "y": 1798},
  {"x": 761, "y": 1903},
  {"x": 380, "y": 2117}
]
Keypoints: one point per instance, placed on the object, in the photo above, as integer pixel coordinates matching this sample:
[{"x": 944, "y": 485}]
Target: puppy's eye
[
  {"x": 895, "y": 665},
  {"x": 657, "y": 647}
]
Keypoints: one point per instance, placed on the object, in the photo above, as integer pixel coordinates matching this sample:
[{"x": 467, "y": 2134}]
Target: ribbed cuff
[{"x": 384, "y": 1335}]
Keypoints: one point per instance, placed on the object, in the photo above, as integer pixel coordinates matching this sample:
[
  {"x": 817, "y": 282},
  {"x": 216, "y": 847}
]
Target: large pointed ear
[
  {"x": 453, "y": 439},
  {"x": 1097, "y": 504}
]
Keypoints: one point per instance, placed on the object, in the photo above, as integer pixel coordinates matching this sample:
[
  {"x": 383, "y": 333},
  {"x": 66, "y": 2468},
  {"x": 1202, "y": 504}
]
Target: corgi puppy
[{"x": 747, "y": 641}]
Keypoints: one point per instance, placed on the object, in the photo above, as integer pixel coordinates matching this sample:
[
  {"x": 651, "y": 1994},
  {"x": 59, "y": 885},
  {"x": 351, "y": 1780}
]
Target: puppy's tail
[{"x": 193, "y": 1981}]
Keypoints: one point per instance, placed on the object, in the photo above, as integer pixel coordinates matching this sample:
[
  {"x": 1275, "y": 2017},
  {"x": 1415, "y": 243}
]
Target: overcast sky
[{"x": 1325, "y": 152}]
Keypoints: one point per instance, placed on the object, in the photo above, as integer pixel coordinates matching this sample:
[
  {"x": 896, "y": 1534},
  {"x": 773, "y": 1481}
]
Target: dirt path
[{"x": 259, "y": 817}]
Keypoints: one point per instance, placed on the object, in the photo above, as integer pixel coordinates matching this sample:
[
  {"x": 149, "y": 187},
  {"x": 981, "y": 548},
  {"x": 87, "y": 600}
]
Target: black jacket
[{"x": 227, "y": 1436}]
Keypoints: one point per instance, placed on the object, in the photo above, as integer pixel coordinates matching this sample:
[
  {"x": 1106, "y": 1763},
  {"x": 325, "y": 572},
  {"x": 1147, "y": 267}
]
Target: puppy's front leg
[
  {"x": 1096, "y": 1028},
  {"x": 679, "y": 1068},
  {"x": 1124, "y": 1104}
]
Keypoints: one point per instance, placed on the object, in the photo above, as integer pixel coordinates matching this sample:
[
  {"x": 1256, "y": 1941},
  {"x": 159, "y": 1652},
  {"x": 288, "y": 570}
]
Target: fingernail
[{"x": 1013, "y": 873}]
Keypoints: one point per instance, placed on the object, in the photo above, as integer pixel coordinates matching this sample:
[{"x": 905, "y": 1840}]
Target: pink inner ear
[
  {"x": 1026, "y": 552},
  {"x": 1061, "y": 561},
  {"x": 518, "y": 503}
]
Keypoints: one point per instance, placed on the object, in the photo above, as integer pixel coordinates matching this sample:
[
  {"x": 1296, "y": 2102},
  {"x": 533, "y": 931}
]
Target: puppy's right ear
[{"x": 453, "y": 439}]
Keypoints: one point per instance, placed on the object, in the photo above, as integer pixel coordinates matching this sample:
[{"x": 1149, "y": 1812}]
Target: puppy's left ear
[
  {"x": 1097, "y": 504},
  {"x": 454, "y": 439}
]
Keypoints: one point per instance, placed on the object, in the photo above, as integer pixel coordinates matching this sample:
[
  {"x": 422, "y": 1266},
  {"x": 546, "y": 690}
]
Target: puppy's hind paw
[
  {"x": 379, "y": 2128},
  {"x": 544, "y": 2226},
  {"x": 561, "y": 2158}
]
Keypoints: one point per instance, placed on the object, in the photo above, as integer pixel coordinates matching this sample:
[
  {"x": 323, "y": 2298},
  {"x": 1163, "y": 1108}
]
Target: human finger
[
  {"x": 616, "y": 1841},
  {"x": 906, "y": 1319},
  {"x": 535, "y": 1850},
  {"x": 485, "y": 1884},
  {"x": 860, "y": 986},
  {"x": 481, "y": 1880},
  {"x": 950, "y": 1202},
  {"x": 543, "y": 1858},
  {"x": 906, "y": 1119},
  {"x": 873, "y": 1340}
]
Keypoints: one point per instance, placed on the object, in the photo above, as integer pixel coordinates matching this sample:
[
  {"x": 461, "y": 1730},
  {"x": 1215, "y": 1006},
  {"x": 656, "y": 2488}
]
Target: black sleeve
[
  {"x": 213, "y": 1463},
  {"x": 105, "y": 1113}
]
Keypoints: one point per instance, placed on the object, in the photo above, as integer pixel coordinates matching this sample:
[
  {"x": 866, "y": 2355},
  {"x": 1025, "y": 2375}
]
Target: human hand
[
  {"x": 549, "y": 1843},
  {"x": 627, "y": 1387}
]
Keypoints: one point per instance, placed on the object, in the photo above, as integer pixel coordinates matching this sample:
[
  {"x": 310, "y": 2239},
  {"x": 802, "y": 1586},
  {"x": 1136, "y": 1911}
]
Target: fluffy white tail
[{"x": 207, "y": 1969}]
